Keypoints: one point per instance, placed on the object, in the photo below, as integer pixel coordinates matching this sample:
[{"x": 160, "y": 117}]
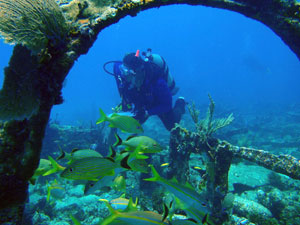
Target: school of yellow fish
[{"x": 98, "y": 171}]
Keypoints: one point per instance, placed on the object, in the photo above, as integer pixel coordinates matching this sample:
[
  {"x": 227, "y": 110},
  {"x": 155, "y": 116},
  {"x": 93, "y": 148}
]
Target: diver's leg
[
  {"x": 141, "y": 116},
  {"x": 173, "y": 116},
  {"x": 168, "y": 119},
  {"x": 179, "y": 109}
]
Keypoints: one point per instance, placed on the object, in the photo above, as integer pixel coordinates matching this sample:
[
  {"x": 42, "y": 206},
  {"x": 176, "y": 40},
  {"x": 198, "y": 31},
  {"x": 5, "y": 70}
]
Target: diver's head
[
  {"x": 133, "y": 61},
  {"x": 133, "y": 69}
]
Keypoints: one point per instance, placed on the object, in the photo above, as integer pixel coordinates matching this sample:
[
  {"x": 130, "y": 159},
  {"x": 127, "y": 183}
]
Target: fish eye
[
  {"x": 91, "y": 185},
  {"x": 71, "y": 169}
]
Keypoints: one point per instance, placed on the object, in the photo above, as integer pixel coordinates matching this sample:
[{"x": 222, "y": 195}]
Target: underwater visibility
[{"x": 181, "y": 115}]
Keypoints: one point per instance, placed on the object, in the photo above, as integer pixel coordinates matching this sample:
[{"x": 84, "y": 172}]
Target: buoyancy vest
[{"x": 155, "y": 67}]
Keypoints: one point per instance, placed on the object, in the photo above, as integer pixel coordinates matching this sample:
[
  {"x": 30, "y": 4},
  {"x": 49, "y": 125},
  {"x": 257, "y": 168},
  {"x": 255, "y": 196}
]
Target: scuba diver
[{"x": 146, "y": 88}]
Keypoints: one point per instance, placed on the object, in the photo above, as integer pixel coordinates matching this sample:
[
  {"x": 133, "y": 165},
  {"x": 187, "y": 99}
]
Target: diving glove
[
  {"x": 122, "y": 107},
  {"x": 117, "y": 109}
]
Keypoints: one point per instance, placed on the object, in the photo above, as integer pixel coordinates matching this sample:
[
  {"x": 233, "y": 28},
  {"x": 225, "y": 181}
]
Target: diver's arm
[{"x": 126, "y": 107}]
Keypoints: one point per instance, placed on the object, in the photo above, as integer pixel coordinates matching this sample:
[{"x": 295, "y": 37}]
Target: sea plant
[
  {"x": 207, "y": 126},
  {"x": 193, "y": 112},
  {"x": 33, "y": 23}
]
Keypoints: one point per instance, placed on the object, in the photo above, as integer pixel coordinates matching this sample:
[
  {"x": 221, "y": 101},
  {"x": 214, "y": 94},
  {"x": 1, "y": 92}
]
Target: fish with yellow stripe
[
  {"x": 106, "y": 181},
  {"x": 135, "y": 161},
  {"x": 145, "y": 144},
  {"x": 131, "y": 216},
  {"x": 92, "y": 168},
  {"x": 77, "y": 154},
  {"x": 189, "y": 200},
  {"x": 55, "y": 190},
  {"x": 121, "y": 203},
  {"x": 119, "y": 183},
  {"x": 46, "y": 167},
  {"x": 125, "y": 123}
]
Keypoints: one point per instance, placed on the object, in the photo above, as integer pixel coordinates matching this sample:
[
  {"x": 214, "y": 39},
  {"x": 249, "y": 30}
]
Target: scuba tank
[{"x": 161, "y": 63}]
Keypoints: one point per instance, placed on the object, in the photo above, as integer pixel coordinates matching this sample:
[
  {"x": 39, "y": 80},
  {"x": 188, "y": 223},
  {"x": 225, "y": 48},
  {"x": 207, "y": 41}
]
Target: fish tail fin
[
  {"x": 48, "y": 191},
  {"x": 75, "y": 221},
  {"x": 48, "y": 194},
  {"x": 102, "y": 118},
  {"x": 136, "y": 153},
  {"x": 124, "y": 163},
  {"x": 114, "y": 213},
  {"x": 171, "y": 210},
  {"x": 136, "y": 201},
  {"x": 119, "y": 140},
  {"x": 55, "y": 165},
  {"x": 62, "y": 154},
  {"x": 32, "y": 180},
  {"x": 156, "y": 176},
  {"x": 112, "y": 152},
  {"x": 205, "y": 219},
  {"x": 132, "y": 206},
  {"x": 166, "y": 213}
]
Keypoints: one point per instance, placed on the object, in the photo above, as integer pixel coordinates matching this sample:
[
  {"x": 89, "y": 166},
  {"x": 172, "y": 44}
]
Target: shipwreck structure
[{"x": 37, "y": 69}]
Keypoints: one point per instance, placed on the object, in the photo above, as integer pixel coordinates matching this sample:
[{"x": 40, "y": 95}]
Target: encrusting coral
[{"x": 208, "y": 126}]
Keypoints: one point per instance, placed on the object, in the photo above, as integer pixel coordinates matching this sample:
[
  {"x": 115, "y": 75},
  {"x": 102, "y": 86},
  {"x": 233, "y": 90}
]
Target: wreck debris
[{"x": 220, "y": 154}]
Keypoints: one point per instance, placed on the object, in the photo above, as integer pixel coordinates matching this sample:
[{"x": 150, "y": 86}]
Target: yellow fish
[
  {"x": 119, "y": 203},
  {"x": 74, "y": 220},
  {"x": 132, "y": 216},
  {"x": 124, "y": 123},
  {"x": 122, "y": 203},
  {"x": 119, "y": 183},
  {"x": 77, "y": 154},
  {"x": 92, "y": 168},
  {"x": 194, "y": 204},
  {"x": 45, "y": 168},
  {"x": 53, "y": 186},
  {"x": 135, "y": 161},
  {"x": 145, "y": 144},
  {"x": 197, "y": 168},
  {"x": 164, "y": 164}
]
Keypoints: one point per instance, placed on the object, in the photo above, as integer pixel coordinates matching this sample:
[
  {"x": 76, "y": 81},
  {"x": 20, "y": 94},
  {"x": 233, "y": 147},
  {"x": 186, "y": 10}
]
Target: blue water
[{"x": 239, "y": 61}]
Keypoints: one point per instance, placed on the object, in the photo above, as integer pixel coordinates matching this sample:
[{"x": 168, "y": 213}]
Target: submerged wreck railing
[
  {"x": 220, "y": 154},
  {"x": 33, "y": 82}
]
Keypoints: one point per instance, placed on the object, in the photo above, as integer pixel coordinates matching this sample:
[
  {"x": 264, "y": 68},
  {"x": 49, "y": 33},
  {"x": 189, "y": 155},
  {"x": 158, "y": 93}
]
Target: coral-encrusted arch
[
  {"x": 21, "y": 140},
  {"x": 282, "y": 16}
]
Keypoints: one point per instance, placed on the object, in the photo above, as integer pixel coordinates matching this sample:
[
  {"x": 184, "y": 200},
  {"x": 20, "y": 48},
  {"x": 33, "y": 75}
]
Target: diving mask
[
  {"x": 135, "y": 78},
  {"x": 125, "y": 71}
]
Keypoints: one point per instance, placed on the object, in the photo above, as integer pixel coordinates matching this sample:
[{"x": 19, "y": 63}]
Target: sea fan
[{"x": 32, "y": 23}]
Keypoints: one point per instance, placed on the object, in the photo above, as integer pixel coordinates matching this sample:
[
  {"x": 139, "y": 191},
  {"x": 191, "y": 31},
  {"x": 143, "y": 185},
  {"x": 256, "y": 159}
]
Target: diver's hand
[
  {"x": 141, "y": 115},
  {"x": 122, "y": 107},
  {"x": 117, "y": 109}
]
